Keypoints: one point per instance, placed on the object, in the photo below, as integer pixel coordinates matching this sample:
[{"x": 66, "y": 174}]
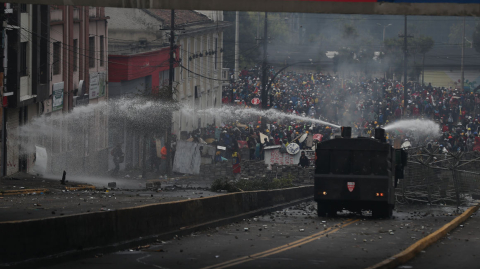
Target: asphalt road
[
  {"x": 292, "y": 238},
  {"x": 459, "y": 249},
  {"x": 130, "y": 192}
]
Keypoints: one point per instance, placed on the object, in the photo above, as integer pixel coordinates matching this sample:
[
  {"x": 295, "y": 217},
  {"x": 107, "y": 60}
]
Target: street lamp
[{"x": 384, "y": 27}]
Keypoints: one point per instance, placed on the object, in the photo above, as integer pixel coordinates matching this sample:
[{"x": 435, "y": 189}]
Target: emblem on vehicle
[{"x": 351, "y": 186}]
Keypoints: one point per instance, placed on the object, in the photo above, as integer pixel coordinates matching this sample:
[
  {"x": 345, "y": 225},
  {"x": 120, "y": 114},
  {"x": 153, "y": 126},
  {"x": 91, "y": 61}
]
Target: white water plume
[
  {"x": 419, "y": 127},
  {"x": 235, "y": 113}
]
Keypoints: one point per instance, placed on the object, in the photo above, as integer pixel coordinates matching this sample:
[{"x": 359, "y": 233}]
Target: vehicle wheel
[
  {"x": 321, "y": 210},
  {"x": 332, "y": 211},
  {"x": 389, "y": 212},
  {"x": 382, "y": 211}
]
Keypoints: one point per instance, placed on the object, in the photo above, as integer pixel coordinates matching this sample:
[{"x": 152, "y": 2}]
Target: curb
[
  {"x": 413, "y": 250},
  {"x": 182, "y": 231},
  {"x": 24, "y": 191},
  {"x": 80, "y": 188}
]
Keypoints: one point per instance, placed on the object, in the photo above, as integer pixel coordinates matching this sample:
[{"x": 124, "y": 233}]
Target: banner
[
  {"x": 187, "y": 158},
  {"x": 262, "y": 138},
  {"x": 101, "y": 84},
  {"x": 57, "y": 95},
  {"x": 242, "y": 144},
  {"x": 41, "y": 159},
  {"x": 274, "y": 156},
  {"x": 93, "y": 87}
]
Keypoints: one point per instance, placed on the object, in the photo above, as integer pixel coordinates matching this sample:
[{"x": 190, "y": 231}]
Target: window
[
  {"x": 208, "y": 56},
  {"x": 102, "y": 50},
  {"x": 215, "y": 51},
  {"x": 23, "y": 8},
  {"x": 181, "y": 59},
  {"x": 75, "y": 55},
  {"x": 56, "y": 57},
  {"x": 23, "y": 58},
  {"x": 91, "y": 51},
  {"x": 189, "y": 57}
]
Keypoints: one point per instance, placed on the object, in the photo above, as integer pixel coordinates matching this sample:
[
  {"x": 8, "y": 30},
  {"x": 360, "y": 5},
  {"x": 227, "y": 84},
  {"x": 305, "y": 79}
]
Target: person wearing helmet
[{"x": 476, "y": 146}]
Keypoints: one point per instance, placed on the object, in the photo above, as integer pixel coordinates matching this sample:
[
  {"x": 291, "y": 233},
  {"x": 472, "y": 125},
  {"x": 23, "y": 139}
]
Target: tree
[
  {"x": 393, "y": 58},
  {"x": 456, "y": 34},
  {"x": 250, "y": 22},
  {"x": 424, "y": 45},
  {"x": 349, "y": 32}
]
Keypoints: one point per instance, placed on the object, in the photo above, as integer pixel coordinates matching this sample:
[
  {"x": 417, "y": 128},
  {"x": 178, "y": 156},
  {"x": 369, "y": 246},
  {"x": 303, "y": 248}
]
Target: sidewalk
[{"x": 46, "y": 197}]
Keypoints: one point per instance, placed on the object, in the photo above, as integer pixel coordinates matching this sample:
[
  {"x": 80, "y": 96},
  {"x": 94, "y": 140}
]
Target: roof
[
  {"x": 181, "y": 16},
  {"x": 130, "y": 19}
]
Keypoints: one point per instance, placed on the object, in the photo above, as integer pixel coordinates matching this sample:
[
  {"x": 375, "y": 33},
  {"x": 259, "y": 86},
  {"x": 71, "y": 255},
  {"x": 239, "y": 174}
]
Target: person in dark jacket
[
  {"x": 117, "y": 154},
  {"x": 304, "y": 162}
]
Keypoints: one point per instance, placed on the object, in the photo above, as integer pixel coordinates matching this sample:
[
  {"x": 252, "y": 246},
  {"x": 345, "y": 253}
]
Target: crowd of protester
[{"x": 363, "y": 104}]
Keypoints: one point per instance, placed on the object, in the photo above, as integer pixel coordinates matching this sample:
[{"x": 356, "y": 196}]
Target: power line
[
  {"x": 88, "y": 56},
  {"x": 71, "y": 65}
]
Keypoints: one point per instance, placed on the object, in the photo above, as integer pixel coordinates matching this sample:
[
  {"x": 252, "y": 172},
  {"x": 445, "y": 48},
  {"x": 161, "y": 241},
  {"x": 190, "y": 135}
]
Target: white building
[{"x": 198, "y": 76}]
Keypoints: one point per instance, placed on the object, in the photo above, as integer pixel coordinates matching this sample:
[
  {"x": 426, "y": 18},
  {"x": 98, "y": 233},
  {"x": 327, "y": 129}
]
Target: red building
[{"x": 130, "y": 73}]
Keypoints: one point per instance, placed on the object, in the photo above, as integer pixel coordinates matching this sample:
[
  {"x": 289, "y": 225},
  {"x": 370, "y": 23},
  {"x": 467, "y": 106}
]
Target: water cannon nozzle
[
  {"x": 380, "y": 134},
  {"x": 346, "y": 132}
]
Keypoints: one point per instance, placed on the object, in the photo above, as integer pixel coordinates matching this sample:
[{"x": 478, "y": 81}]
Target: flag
[{"x": 313, "y": 79}]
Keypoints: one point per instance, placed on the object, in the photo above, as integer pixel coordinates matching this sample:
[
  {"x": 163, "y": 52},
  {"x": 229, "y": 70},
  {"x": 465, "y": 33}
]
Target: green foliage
[
  {"x": 349, "y": 32},
  {"x": 262, "y": 183},
  {"x": 356, "y": 54},
  {"x": 250, "y": 52},
  {"x": 423, "y": 44},
  {"x": 394, "y": 51},
  {"x": 456, "y": 33}
]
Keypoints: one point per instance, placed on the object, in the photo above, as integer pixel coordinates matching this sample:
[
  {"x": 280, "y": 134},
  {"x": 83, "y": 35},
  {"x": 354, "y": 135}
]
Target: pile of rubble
[{"x": 256, "y": 169}]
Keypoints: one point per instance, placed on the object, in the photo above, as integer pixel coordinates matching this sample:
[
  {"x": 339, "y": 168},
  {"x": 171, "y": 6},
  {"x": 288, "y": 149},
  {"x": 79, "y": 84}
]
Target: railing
[{"x": 440, "y": 178}]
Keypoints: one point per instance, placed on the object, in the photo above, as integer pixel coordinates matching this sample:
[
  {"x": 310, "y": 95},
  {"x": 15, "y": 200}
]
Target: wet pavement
[
  {"x": 459, "y": 249},
  {"x": 291, "y": 238},
  {"x": 58, "y": 201}
]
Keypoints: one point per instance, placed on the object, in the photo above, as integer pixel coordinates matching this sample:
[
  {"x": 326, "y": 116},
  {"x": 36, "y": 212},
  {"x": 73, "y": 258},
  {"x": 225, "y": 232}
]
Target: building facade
[
  {"x": 55, "y": 60},
  {"x": 139, "y": 61},
  {"x": 79, "y": 66},
  {"x": 25, "y": 78}
]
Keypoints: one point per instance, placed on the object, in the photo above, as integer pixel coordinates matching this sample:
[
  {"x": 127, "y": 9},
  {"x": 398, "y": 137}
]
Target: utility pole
[
  {"x": 4, "y": 109},
  {"x": 384, "y": 27},
  {"x": 170, "y": 92},
  {"x": 237, "y": 49},
  {"x": 463, "y": 56},
  {"x": 258, "y": 28},
  {"x": 405, "y": 93},
  {"x": 264, "y": 73}
]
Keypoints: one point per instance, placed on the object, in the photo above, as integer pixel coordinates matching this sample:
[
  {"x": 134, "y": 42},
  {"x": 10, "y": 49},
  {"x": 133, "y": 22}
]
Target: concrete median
[{"x": 35, "y": 239}]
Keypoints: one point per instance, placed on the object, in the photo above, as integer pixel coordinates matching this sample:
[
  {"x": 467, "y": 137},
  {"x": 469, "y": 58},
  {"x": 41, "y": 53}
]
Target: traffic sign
[{"x": 255, "y": 101}]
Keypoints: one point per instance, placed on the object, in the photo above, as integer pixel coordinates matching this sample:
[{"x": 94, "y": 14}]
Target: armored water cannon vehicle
[{"x": 357, "y": 174}]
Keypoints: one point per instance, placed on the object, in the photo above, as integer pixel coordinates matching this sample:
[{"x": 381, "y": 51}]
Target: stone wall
[{"x": 254, "y": 169}]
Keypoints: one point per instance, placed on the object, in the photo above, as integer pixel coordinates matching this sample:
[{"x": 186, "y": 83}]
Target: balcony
[
  {"x": 76, "y": 14},
  {"x": 56, "y": 15},
  {"x": 225, "y": 78},
  {"x": 92, "y": 12}
]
